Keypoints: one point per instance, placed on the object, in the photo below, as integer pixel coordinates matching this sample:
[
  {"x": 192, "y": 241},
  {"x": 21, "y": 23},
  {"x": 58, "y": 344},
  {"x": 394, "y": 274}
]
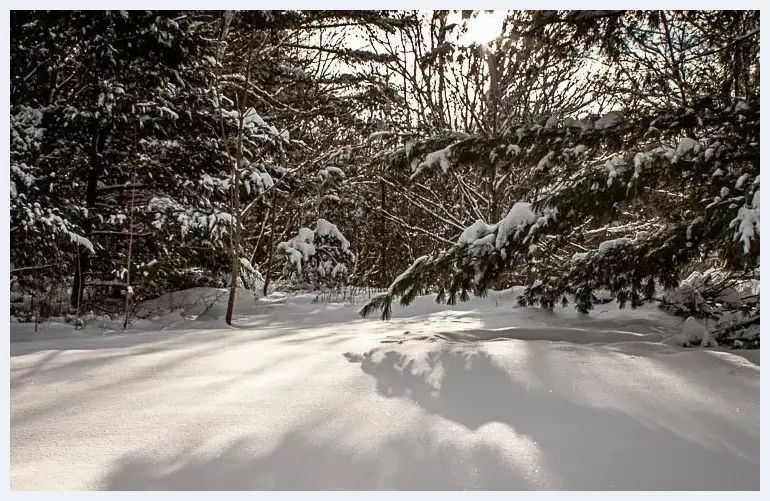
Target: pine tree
[{"x": 676, "y": 184}]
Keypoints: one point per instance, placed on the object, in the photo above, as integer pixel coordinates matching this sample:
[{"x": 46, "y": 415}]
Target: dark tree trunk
[
  {"x": 383, "y": 239},
  {"x": 83, "y": 260}
]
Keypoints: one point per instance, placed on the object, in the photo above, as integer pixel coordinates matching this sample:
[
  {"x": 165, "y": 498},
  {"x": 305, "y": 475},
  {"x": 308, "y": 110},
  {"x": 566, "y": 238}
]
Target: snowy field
[{"x": 304, "y": 395}]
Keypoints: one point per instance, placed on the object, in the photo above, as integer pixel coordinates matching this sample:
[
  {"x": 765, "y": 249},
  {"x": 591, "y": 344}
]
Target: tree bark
[
  {"x": 236, "y": 196},
  {"x": 383, "y": 239},
  {"x": 83, "y": 260}
]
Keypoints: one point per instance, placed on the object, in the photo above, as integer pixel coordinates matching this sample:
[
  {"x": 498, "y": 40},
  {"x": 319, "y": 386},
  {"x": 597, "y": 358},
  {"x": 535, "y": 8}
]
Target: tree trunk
[
  {"x": 236, "y": 264},
  {"x": 236, "y": 197},
  {"x": 383, "y": 239},
  {"x": 83, "y": 260},
  {"x": 270, "y": 244},
  {"x": 236, "y": 240},
  {"x": 129, "y": 290}
]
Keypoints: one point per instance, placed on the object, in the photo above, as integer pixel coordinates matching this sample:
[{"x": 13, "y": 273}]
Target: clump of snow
[
  {"x": 641, "y": 160},
  {"x": 545, "y": 161},
  {"x": 331, "y": 172},
  {"x": 300, "y": 248},
  {"x": 579, "y": 256},
  {"x": 583, "y": 125},
  {"x": 440, "y": 158},
  {"x": 611, "y": 119},
  {"x": 693, "y": 333},
  {"x": 614, "y": 166},
  {"x": 520, "y": 215},
  {"x": 688, "y": 145},
  {"x": 742, "y": 106},
  {"x": 475, "y": 231},
  {"x": 381, "y": 134},
  {"x": 326, "y": 229},
  {"x": 82, "y": 241},
  {"x": 417, "y": 262},
  {"x": 261, "y": 181},
  {"x": 322, "y": 254},
  {"x": 746, "y": 223},
  {"x": 741, "y": 181},
  {"x": 612, "y": 244}
]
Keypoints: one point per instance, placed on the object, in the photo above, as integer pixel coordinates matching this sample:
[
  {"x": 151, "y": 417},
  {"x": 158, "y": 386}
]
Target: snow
[
  {"x": 573, "y": 123},
  {"x": 693, "y": 333},
  {"x": 171, "y": 113},
  {"x": 333, "y": 172},
  {"x": 475, "y": 231},
  {"x": 299, "y": 248},
  {"x": 545, "y": 161},
  {"x": 515, "y": 221},
  {"x": 687, "y": 145},
  {"x": 579, "y": 256},
  {"x": 746, "y": 223},
  {"x": 382, "y": 134},
  {"x": 326, "y": 229},
  {"x": 417, "y": 262},
  {"x": 612, "y": 244},
  {"x": 614, "y": 166},
  {"x": 608, "y": 120},
  {"x": 308, "y": 396},
  {"x": 440, "y": 158},
  {"x": 82, "y": 241}
]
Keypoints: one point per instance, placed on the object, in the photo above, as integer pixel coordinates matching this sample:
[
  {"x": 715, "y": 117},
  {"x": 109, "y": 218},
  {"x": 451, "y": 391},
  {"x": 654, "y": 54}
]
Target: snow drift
[{"x": 304, "y": 395}]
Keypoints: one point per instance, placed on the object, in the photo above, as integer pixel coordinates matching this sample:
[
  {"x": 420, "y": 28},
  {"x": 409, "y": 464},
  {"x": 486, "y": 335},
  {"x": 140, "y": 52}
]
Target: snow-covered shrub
[
  {"x": 320, "y": 257},
  {"x": 694, "y": 333},
  {"x": 730, "y": 304}
]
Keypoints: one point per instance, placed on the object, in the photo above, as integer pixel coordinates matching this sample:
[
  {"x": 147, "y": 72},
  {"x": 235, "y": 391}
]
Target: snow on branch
[
  {"x": 318, "y": 256},
  {"x": 589, "y": 183}
]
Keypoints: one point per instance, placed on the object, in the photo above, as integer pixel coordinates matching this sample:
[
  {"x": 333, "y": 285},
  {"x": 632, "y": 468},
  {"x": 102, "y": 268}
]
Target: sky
[{"x": 485, "y": 27}]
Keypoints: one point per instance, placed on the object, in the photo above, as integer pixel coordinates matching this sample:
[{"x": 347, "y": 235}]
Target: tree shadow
[
  {"x": 584, "y": 445},
  {"x": 302, "y": 463}
]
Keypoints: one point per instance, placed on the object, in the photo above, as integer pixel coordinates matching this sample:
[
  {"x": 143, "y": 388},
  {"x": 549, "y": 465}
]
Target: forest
[
  {"x": 384, "y": 250},
  {"x": 586, "y": 155}
]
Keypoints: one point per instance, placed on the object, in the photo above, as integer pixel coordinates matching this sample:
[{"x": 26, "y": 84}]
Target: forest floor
[{"x": 304, "y": 395}]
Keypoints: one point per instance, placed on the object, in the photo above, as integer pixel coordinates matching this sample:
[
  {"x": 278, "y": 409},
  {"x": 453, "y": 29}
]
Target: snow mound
[
  {"x": 693, "y": 333},
  {"x": 202, "y": 303},
  {"x": 566, "y": 334}
]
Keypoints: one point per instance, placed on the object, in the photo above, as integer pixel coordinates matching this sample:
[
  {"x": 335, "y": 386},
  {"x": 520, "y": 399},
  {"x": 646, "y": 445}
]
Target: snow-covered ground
[{"x": 304, "y": 395}]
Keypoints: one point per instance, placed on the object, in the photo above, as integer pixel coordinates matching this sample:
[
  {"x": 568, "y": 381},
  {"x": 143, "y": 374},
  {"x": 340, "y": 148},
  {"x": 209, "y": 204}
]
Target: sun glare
[{"x": 485, "y": 27}]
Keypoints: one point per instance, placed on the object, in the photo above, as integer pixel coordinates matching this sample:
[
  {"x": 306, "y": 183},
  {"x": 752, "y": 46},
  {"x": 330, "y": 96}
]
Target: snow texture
[
  {"x": 610, "y": 119},
  {"x": 474, "y": 232},
  {"x": 693, "y": 333},
  {"x": 746, "y": 223},
  {"x": 688, "y": 146},
  {"x": 307, "y": 396},
  {"x": 545, "y": 161},
  {"x": 324, "y": 228},
  {"x": 614, "y": 166},
  {"x": 440, "y": 158},
  {"x": 520, "y": 215},
  {"x": 612, "y": 244}
]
